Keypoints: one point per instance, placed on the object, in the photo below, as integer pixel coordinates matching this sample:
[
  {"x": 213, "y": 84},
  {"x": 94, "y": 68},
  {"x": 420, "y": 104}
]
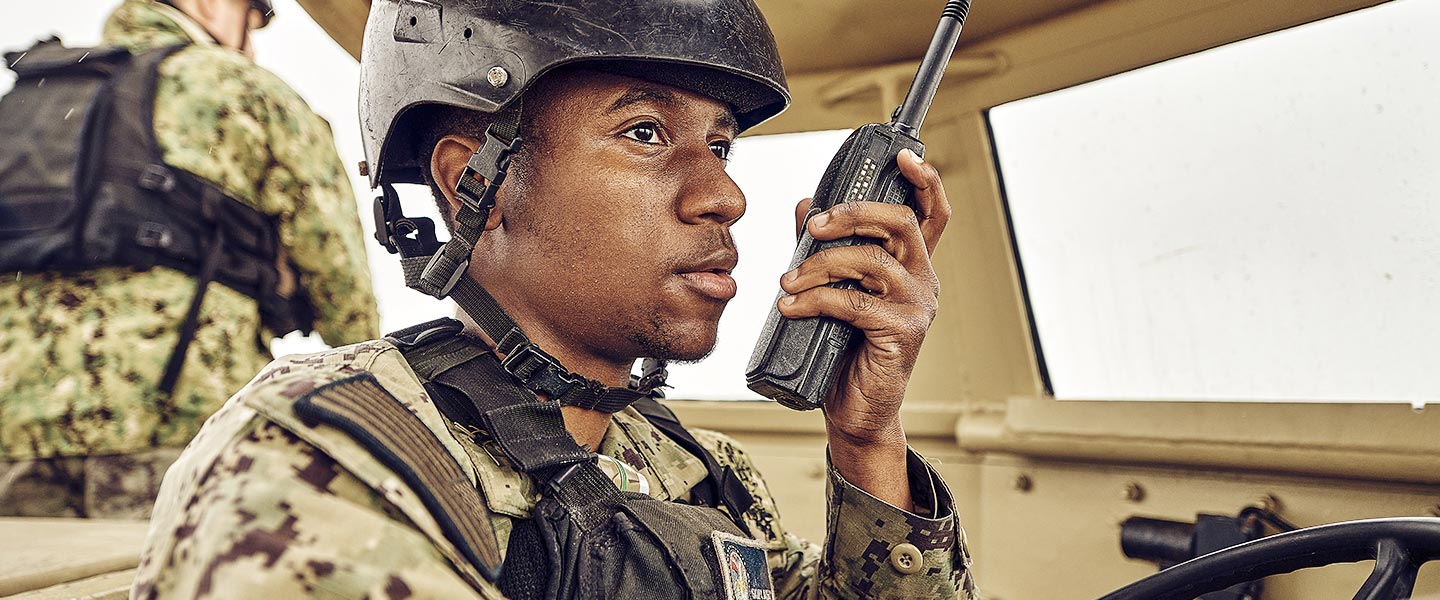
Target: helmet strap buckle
[
  {"x": 387, "y": 211},
  {"x": 399, "y": 234},
  {"x": 490, "y": 163}
]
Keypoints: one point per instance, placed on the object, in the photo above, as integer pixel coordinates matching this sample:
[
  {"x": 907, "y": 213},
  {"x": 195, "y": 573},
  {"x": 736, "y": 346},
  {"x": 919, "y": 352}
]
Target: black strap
[
  {"x": 191, "y": 323},
  {"x": 489, "y": 164},
  {"x": 473, "y": 390}
]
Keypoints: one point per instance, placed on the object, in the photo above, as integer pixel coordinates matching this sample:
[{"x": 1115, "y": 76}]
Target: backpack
[{"x": 83, "y": 185}]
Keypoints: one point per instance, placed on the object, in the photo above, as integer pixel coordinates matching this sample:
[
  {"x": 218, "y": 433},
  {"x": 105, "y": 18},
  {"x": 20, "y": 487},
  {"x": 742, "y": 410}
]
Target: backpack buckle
[
  {"x": 157, "y": 178},
  {"x": 153, "y": 235}
]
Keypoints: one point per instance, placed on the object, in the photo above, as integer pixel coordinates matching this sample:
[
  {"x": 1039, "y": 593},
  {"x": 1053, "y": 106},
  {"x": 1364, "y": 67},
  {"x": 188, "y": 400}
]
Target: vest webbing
[{"x": 470, "y": 387}]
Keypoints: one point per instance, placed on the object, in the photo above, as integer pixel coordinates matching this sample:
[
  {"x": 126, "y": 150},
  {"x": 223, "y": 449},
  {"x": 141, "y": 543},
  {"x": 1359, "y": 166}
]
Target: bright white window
[
  {"x": 775, "y": 172},
  {"x": 1259, "y": 221}
]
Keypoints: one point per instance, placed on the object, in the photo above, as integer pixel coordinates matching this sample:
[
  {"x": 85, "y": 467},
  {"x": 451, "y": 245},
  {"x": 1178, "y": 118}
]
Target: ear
[{"x": 447, "y": 164}]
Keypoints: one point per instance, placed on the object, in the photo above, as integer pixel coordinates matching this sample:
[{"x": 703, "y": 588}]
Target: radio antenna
[{"x": 911, "y": 114}]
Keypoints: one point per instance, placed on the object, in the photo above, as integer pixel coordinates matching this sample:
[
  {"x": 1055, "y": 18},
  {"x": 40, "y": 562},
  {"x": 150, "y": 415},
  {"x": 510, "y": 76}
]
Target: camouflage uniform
[
  {"x": 81, "y": 354},
  {"x": 263, "y": 505}
]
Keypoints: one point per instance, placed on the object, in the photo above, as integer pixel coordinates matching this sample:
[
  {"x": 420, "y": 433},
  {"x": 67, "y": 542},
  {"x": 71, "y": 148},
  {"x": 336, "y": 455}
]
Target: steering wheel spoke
[
  {"x": 1398, "y": 546},
  {"x": 1394, "y": 574}
]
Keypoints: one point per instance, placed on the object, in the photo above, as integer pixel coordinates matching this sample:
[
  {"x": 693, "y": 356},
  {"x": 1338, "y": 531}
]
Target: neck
[
  {"x": 586, "y": 426},
  {"x": 576, "y": 358},
  {"x": 220, "y": 27}
]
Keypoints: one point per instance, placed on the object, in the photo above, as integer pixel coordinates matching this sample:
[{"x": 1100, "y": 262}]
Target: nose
[{"x": 710, "y": 195}]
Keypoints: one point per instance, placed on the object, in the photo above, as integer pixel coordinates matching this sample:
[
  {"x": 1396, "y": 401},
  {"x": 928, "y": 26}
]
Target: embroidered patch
[{"x": 744, "y": 574}]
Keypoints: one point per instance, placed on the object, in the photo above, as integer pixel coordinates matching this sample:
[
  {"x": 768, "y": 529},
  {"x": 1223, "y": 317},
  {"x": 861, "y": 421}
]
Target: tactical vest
[
  {"x": 83, "y": 185},
  {"x": 586, "y": 539}
]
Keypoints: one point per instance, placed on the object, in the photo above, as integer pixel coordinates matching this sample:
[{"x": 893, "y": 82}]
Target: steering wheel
[{"x": 1398, "y": 547}]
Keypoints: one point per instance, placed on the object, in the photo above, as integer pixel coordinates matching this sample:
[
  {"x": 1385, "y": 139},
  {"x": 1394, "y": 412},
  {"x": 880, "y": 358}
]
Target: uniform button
[{"x": 906, "y": 559}]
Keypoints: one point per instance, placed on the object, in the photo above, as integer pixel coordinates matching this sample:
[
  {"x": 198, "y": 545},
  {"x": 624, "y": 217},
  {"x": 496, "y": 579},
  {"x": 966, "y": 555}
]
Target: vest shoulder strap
[
  {"x": 530, "y": 433},
  {"x": 363, "y": 409}
]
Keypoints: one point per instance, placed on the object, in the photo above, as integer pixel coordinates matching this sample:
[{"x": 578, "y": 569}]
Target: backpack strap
[
  {"x": 213, "y": 252},
  {"x": 468, "y": 381},
  {"x": 472, "y": 389},
  {"x": 140, "y": 80}
]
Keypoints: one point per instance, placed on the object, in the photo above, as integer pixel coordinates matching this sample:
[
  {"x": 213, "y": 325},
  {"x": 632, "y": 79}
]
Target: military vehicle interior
[{"x": 1050, "y": 468}]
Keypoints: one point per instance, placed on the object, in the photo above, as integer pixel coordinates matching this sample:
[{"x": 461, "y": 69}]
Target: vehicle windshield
[{"x": 1253, "y": 222}]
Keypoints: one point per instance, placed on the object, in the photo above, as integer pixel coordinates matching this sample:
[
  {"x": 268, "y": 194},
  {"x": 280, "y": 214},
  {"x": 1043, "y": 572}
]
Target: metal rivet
[
  {"x": 1134, "y": 492},
  {"x": 498, "y": 76},
  {"x": 906, "y": 559},
  {"x": 1023, "y": 483}
]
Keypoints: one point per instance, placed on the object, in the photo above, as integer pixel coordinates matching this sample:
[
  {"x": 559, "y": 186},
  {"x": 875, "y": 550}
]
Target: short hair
[
  {"x": 435, "y": 121},
  {"x": 432, "y": 125}
]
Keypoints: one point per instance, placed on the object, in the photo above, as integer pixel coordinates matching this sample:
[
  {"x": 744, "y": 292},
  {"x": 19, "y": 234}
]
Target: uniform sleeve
[
  {"x": 862, "y": 534},
  {"x": 875, "y": 550},
  {"x": 319, "y": 227},
  {"x": 277, "y": 518}
]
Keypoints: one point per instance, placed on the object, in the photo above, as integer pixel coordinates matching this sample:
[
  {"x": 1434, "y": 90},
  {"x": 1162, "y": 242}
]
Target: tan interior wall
[{"x": 976, "y": 405}]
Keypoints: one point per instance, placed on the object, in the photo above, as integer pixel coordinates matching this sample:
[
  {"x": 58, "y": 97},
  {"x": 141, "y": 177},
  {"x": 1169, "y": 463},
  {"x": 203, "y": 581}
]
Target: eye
[
  {"x": 645, "y": 133},
  {"x": 721, "y": 148}
]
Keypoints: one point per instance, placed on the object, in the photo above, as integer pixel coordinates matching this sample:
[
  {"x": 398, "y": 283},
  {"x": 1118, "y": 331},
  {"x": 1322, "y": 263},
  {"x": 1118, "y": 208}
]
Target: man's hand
[{"x": 893, "y": 310}]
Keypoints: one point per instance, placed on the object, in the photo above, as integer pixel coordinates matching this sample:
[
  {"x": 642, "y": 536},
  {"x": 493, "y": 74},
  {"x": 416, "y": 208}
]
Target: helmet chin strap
[{"x": 442, "y": 270}]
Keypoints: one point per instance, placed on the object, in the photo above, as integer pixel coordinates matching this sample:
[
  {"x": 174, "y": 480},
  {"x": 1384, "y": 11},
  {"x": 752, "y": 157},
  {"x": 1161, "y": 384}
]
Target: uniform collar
[
  {"x": 630, "y": 439},
  {"x": 142, "y": 24}
]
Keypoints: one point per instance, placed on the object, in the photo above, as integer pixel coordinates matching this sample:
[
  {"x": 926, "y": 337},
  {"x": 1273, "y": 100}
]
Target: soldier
[
  {"x": 578, "y": 152},
  {"x": 93, "y": 403}
]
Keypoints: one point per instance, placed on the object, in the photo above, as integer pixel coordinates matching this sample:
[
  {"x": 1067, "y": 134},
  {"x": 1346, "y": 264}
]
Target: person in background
[{"x": 86, "y": 426}]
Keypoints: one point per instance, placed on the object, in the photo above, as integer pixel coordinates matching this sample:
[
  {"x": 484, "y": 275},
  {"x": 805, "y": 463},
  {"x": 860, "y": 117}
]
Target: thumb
[{"x": 801, "y": 208}]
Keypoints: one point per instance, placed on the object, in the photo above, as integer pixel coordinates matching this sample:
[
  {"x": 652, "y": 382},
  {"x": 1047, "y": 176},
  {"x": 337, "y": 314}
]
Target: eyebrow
[
  {"x": 643, "y": 93},
  {"x": 728, "y": 123}
]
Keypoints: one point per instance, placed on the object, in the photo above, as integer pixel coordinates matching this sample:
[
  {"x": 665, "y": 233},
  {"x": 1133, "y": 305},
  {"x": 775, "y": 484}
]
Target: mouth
[{"x": 710, "y": 275}]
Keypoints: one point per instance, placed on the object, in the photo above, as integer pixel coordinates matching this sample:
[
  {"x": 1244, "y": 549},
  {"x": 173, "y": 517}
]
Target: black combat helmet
[{"x": 483, "y": 54}]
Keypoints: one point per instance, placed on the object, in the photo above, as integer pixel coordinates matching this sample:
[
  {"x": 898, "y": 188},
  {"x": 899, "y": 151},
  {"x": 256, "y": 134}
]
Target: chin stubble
[{"x": 656, "y": 341}]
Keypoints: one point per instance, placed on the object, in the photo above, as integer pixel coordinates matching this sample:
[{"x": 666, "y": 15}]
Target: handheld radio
[{"x": 796, "y": 360}]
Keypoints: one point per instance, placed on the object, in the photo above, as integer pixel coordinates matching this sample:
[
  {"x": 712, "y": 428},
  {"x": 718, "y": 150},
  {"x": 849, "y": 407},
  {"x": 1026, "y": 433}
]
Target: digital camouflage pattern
[
  {"x": 81, "y": 354},
  {"x": 113, "y": 486},
  {"x": 263, "y": 505}
]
